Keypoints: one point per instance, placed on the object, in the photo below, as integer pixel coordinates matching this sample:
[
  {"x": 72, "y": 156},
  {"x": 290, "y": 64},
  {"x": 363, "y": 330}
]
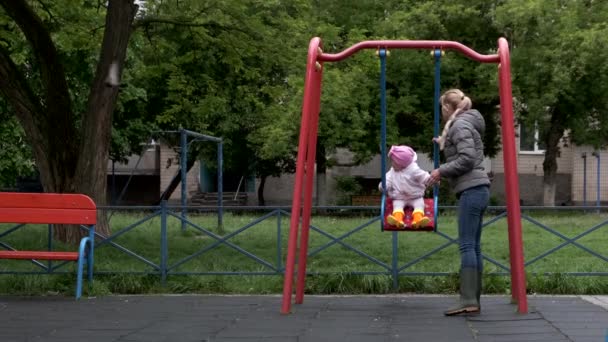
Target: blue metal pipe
[
  {"x": 382, "y": 55},
  {"x": 279, "y": 246},
  {"x": 436, "y": 119},
  {"x": 220, "y": 185},
  {"x": 50, "y": 246},
  {"x": 184, "y": 172},
  {"x": 395, "y": 261},
  {"x": 597, "y": 155},
  {"x": 584, "y": 156},
  {"x": 163, "y": 242}
]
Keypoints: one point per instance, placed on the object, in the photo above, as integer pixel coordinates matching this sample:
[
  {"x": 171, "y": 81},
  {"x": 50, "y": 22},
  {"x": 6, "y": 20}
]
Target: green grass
[{"x": 333, "y": 267}]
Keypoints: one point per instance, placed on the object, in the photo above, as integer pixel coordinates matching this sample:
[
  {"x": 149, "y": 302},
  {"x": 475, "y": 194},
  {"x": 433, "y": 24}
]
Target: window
[{"x": 529, "y": 139}]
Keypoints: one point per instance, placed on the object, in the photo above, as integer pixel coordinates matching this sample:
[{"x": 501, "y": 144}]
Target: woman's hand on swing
[{"x": 434, "y": 178}]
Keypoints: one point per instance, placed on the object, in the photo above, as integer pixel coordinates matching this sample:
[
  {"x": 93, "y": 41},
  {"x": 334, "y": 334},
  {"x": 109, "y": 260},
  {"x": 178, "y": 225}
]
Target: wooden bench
[{"x": 38, "y": 208}]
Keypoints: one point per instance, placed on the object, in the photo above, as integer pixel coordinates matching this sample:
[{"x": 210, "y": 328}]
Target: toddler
[{"x": 405, "y": 185}]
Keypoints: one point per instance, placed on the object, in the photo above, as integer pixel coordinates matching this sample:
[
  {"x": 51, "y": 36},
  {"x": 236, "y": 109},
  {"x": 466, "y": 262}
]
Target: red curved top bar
[{"x": 409, "y": 44}]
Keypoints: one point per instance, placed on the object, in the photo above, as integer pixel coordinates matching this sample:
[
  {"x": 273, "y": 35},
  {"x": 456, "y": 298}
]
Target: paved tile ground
[{"x": 320, "y": 318}]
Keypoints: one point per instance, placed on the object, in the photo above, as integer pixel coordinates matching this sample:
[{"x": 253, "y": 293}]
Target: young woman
[{"x": 462, "y": 145}]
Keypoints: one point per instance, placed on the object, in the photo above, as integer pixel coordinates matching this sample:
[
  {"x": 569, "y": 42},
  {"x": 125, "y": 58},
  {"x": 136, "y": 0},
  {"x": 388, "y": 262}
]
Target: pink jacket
[{"x": 406, "y": 184}]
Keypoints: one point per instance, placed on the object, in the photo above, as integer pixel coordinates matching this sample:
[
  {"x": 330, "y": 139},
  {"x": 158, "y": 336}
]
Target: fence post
[
  {"x": 163, "y": 242},
  {"x": 220, "y": 186},
  {"x": 279, "y": 248},
  {"x": 395, "y": 263},
  {"x": 184, "y": 174},
  {"x": 596, "y": 154},
  {"x": 50, "y": 248},
  {"x": 584, "y": 156}
]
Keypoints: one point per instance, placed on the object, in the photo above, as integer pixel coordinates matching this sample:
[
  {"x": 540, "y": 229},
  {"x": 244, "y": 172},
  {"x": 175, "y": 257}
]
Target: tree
[
  {"x": 557, "y": 59},
  {"x": 225, "y": 73},
  {"x": 70, "y": 147},
  {"x": 350, "y": 113}
]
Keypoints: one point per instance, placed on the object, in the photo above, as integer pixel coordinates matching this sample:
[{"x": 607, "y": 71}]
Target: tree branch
[
  {"x": 57, "y": 98},
  {"x": 47, "y": 10},
  {"x": 17, "y": 92},
  {"x": 188, "y": 22},
  {"x": 147, "y": 21}
]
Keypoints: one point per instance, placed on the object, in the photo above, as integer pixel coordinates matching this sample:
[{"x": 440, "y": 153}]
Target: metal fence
[{"x": 165, "y": 248}]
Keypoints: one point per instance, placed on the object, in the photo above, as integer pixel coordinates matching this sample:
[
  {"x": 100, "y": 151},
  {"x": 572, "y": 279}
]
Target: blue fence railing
[{"x": 164, "y": 249}]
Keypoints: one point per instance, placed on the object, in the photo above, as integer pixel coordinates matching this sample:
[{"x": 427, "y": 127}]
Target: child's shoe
[
  {"x": 396, "y": 219},
  {"x": 419, "y": 220}
]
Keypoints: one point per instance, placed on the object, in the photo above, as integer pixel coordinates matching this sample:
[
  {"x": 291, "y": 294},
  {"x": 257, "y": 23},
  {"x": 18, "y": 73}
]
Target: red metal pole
[
  {"x": 410, "y": 44},
  {"x": 518, "y": 275},
  {"x": 307, "y": 111},
  {"x": 308, "y": 188}
]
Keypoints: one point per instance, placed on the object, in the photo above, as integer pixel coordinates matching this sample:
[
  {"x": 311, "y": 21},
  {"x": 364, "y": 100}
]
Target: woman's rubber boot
[
  {"x": 396, "y": 219},
  {"x": 469, "y": 284},
  {"x": 479, "y": 283}
]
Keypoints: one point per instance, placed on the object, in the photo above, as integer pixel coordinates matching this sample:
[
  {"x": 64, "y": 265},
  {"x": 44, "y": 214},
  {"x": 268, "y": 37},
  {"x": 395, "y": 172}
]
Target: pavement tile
[{"x": 216, "y": 318}]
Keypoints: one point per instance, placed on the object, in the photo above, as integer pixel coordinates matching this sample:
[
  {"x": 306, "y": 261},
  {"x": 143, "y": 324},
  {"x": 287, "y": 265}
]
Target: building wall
[
  {"x": 531, "y": 163},
  {"x": 585, "y": 176},
  {"x": 135, "y": 190},
  {"x": 530, "y": 176},
  {"x": 279, "y": 190},
  {"x": 169, "y": 167},
  {"x": 531, "y": 189},
  {"x": 136, "y": 181}
]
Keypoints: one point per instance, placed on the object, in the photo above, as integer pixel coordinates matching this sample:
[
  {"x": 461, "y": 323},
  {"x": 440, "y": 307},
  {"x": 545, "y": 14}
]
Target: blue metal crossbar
[
  {"x": 348, "y": 246},
  {"x": 224, "y": 240},
  {"x": 568, "y": 240},
  {"x": 108, "y": 240}
]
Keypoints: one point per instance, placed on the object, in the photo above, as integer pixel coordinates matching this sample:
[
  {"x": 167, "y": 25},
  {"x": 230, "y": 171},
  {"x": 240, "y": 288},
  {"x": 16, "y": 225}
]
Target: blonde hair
[{"x": 456, "y": 101}]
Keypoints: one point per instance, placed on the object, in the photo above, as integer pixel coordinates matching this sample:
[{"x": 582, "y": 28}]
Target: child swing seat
[{"x": 429, "y": 205}]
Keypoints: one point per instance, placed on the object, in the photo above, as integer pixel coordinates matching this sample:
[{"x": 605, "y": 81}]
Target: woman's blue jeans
[{"x": 472, "y": 204}]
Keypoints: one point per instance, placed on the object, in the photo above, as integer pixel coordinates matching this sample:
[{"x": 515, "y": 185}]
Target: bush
[{"x": 346, "y": 186}]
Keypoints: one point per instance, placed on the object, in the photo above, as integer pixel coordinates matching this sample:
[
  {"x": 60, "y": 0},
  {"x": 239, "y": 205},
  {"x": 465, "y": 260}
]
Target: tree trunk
[
  {"x": 92, "y": 168},
  {"x": 70, "y": 159},
  {"x": 261, "y": 200},
  {"x": 551, "y": 138}
]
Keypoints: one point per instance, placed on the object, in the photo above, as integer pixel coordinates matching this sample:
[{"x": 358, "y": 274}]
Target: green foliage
[
  {"x": 15, "y": 154},
  {"x": 234, "y": 69},
  {"x": 224, "y": 73},
  {"x": 558, "y": 64},
  {"x": 346, "y": 186}
]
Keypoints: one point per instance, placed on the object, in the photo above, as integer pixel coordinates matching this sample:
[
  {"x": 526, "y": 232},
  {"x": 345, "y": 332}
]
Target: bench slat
[
  {"x": 40, "y": 255},
  {"x": 45, "y": 201},
  {"x": 57, "y": 216}
]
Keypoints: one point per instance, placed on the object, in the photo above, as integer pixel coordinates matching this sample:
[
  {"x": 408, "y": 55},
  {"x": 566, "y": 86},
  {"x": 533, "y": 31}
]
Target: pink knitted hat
[{"x": 401, "y": 155}]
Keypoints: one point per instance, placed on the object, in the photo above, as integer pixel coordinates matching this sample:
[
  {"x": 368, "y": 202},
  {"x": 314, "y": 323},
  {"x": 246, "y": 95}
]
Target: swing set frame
[{"x": 303, "y": 183}]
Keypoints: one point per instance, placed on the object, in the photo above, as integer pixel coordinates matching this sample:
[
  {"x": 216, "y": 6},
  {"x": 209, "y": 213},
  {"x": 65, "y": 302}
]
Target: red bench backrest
[{"x": 19, "y": 207}]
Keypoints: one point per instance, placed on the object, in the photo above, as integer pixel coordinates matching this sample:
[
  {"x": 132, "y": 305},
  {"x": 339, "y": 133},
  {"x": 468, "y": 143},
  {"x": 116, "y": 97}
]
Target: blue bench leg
[
  {"x": 83, "y": 253},
  {"x": 91, "y": 254},
  {"x": 79, "y": 276},
  {"x": 90, "y": 267}
]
